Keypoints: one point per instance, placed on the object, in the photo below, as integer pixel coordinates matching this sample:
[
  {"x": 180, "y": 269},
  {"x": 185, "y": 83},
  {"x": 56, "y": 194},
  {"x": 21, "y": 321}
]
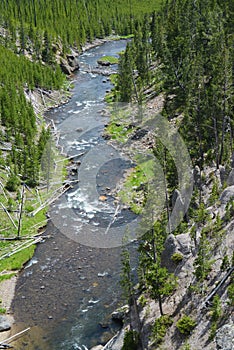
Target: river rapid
[{"x": 70, "y": 287}]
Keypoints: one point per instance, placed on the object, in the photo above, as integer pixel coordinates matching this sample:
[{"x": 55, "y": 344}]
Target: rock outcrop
[
  {"x": 98, "y": 347},
  {"x": 175, "y": 244},
  {"x": 120, "y": 313},
  {"x": 70, "y": 64},
  {"x": 5, "y": 325},
  {"x": 225, "y": 337},
  {"x": 230, "y": 180},
  {"x": 227, "y": 195}
]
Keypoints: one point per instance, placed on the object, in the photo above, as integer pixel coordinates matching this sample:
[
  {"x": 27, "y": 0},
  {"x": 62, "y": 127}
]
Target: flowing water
[{"x": 70, "y": 287}]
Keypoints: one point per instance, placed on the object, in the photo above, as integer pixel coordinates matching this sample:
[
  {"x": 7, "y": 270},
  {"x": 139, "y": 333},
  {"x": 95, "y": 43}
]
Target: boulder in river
[
  {"x": 120, "y": 313},
  {"x": 103, "y": 63}
]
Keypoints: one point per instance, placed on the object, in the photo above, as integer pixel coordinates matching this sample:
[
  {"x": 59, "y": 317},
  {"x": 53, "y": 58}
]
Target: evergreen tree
[{"x": 158, "y": 281}]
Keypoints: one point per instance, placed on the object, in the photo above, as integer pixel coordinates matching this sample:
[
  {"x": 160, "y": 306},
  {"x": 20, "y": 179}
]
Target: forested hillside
[
  {"x": 186, "y": 52},
  {"x": 43, "y": 32},
  {"x": 182, "y": 56},
  {"x": 37, "y": 38},
  {"x": 179, "y": 64},
  {"x": 75, "y": 22}
]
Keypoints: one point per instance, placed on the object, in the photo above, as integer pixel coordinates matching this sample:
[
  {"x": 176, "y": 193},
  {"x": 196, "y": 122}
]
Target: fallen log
[
  {"x": 71, "y": 157},
  {"x": 9, "y": 216},
  {"x": 56, "y": 194},
  {"x": 2, "y": 187},
  {"x": 13, "y": 337},
  {"x": 20, "y": 248},
  {"x": 4, "y": 229},
  {"x": 5, "y": 346},
  {"x": 214, "y": 291}
]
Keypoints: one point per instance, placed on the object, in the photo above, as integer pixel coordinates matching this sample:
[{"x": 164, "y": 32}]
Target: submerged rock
[
  {"x": 104, "y": 63},
  {"x": 120, "y": 313}
]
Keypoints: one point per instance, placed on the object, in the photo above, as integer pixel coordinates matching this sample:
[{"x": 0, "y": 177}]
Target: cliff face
[
  {"x": 213, "y": 321},
  {"x": 214, "y": 328}
]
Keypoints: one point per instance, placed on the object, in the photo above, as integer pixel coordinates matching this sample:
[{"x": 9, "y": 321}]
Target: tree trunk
[{"x": 160, "y": 305}]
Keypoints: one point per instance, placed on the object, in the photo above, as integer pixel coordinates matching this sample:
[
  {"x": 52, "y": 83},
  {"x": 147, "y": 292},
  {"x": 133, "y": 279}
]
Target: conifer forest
[{"x": 179, "y": 55}]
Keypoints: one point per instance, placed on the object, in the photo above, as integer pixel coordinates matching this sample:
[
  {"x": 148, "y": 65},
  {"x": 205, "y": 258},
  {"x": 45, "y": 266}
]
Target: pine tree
[{"x": 158, "y": 281}]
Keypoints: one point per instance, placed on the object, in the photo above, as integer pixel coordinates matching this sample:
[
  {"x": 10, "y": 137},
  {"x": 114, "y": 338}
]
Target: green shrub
[
  {"x": 17, "y": 261},
  {"x": 160, "y": 328},
  {"x": 12, "y": 183},
  {"x": 142, "y": 300},
  {"x": 6, "y": 277},
  {"x": 131, "y": 340},
  {"x": 177, "y": 257},
  {"x": 186, "y": 346},
  {"x": 108, "y": 59},
  {"x": 229, "y": 211},
  {"x": 2, "y": 310},
  {"x": 216, "y": 313},
  {"x": 185, "y": 325},
  {"x": 29, "y": 208},
  {"x": 225, "y": 263}
]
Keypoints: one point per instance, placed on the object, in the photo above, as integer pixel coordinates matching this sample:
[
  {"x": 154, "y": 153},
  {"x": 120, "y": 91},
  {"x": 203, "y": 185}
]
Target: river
[{"x": 70, "y": 287}]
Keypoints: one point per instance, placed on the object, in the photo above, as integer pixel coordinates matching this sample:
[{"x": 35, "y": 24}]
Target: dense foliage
[
  {"x": 75, "y": 22},
  {"x": 186, "y": 51},
  {"x": 185, "y": 54},
  {"x": 34, "y": 36}
]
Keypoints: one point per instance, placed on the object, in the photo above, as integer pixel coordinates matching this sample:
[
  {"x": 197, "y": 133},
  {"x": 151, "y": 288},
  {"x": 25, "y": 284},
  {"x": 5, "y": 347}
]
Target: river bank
[
  {"x": 42, "y": 104},
  {"x": 42, "y": 101},
  {"x": 7, "y": 292}
]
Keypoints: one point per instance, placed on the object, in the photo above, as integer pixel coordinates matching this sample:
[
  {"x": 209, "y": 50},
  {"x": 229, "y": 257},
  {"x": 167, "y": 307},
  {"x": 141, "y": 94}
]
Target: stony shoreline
[{"x": 7, "y": 292}]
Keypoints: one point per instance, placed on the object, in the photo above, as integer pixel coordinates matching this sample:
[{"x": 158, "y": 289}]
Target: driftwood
[
  {"x": 55, "y": 195},
  {"x": 2, "y": 187},
  {"x": 42, "y": 97},
  {"x": 214, "y": 291},
  {"x": 12, "y": 211},
  {"x": 8, "y": 214},
  {"x": 5, "y": 346},
  {"x": 20, "y": 248},
  {"x": 117, "y": 210},
  {"x": 71, "y": 157},
  {"x": 21, "y": 211},
  {"x": 4, "y": 229},
  {"x": 8, "y": 238},
  {"x": 38, "y": 196},
  {"x": 12, "y": 338}
]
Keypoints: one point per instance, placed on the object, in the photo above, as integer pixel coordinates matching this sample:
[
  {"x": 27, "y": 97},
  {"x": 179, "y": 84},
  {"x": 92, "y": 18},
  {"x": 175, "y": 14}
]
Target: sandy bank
[{"x": 7, "y": 292}]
